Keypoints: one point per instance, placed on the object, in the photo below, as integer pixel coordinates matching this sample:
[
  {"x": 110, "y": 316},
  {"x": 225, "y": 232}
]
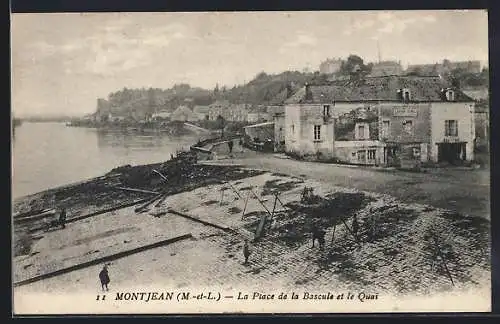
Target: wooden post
[
  {"x": 442, "y": 258},
  {"x": 234, "y": 189},
  {"x": 282, "y": 205},
  {"x": 260, "y": 201},
  {"x": 221, "y": 196},
  {"x": 373, "y": 226},
  {"x": 245, "y": 208},
  {"x": 333, "y": 234},
  {"x": 274, "y": 207},
  {"x": 348, "y": 229}
]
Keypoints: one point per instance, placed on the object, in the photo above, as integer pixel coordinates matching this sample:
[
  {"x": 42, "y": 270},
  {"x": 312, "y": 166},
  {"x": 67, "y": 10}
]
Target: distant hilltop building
[
  {"x": 444, "y": 67},
  {"x": 330, "y": 66},
  {"x": 385, "y": 68}
]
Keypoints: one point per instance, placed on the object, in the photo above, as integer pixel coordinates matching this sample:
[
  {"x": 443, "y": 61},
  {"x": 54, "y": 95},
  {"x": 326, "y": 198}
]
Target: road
[{"x": 466, "y": 191}]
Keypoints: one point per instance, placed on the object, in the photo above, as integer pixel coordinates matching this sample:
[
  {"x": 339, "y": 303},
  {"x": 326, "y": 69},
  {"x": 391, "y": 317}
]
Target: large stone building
[
  {"x": 420, "y": 119},
  {"x": 444, "y": 67},
  {"x": 330, "y": 66}
]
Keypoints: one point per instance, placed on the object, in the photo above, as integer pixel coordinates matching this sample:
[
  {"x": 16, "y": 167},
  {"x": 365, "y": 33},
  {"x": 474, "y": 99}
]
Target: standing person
[
  {"x": 104, "y": 278},
  {"x": 62, "y": 217},
  {"x": 355, "y": 226},
  {"x": 230, "y": 144},
  {"x": 246, "y": 251}
]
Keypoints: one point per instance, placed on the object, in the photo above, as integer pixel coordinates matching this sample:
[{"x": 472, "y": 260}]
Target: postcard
[{"x": 250, "y": 162}]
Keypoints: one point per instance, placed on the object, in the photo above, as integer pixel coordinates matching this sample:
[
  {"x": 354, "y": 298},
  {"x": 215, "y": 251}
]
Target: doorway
[{"x": 453, "y": 153}]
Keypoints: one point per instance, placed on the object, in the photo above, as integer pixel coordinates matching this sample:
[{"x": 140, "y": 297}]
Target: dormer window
[
  {"x": 450, "y": 95},
  {"x": 326, "y": 112},
  {"x": 404, "y": 95}
]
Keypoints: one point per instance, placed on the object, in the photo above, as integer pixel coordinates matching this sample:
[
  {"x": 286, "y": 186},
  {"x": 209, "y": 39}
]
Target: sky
[{"x": 61, "y": 63}]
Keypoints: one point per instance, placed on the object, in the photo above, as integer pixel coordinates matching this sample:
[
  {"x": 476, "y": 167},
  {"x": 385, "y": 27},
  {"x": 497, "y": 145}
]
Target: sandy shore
[{"x": 392, "y": 258}]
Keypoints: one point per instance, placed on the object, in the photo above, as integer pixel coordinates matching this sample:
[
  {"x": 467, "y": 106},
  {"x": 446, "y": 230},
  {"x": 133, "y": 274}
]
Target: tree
[{"x": 354, "y": 67}]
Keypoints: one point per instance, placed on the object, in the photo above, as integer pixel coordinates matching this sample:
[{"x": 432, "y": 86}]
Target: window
[
  {"x": 416, "y": 152},
  {"x": 361, "y": 131},
  {"x": 406, "y": 95},
  {"x": 450, "y": 95},
  {"x": 408, "y": 126},
  {"x": 385, "y": 128},
  {"x": 317, "y": 132},
  {"x": 371, "y": 154},
  {"x": 450, "y": 128},
  {"x": 361, "y": 156},
  {"x": 326, "y": 111}
]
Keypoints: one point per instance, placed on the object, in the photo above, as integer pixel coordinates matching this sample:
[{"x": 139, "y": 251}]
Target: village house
[
  {"x": 419, "y": 120},
  {"x": 309, "y": 124},
  {"x": 276, "y": 111},
  {"x": 257, "y": 114},
  {"x": 482, "y": 125},
  {"x": 182, "y": 113},
  {"x": 229, "y": 111},
  {"x": 201, "y": 112},
  {"x": 432, "y": 123},
  {"x": 279, "y": 131},
  {"x": 384, "y": 68},
  {"x": 161, "y": 115}
]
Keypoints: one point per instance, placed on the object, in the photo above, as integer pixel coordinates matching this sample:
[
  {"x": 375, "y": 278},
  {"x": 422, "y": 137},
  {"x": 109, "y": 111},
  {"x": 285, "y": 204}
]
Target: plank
[{"x": 101, "y": 260}]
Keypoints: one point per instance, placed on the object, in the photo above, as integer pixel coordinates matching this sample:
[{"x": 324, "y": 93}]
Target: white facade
[
  {"x": 463, "y": 114},
  {"x": 307, "y": 132}
]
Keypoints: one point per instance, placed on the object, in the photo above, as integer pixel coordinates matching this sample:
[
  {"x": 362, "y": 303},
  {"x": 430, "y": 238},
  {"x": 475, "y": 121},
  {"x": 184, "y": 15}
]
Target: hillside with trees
[{"x": 261, "y": 90}]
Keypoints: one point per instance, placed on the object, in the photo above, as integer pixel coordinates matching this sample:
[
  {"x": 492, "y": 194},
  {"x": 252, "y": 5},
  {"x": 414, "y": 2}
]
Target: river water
[{"x": 47, "y": 155}]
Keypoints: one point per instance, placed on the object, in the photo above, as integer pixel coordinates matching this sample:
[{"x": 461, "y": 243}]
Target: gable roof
[
  {"x": 384, "y": 88},
  {"x": 201, "y": 109},
  {"x": 182, "y": 109}
]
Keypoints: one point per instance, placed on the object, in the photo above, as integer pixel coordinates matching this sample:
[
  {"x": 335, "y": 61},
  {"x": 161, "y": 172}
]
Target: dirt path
[{"x": 466, "y": 192}]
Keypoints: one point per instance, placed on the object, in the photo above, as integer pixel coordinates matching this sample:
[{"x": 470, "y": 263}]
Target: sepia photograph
[{"x": 250, "y": 162}]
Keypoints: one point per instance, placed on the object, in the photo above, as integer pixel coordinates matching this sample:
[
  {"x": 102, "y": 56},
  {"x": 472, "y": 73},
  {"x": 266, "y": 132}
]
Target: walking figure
[
  {"x": 62, "y": 217},
  {"x": 318, "y": 234},
  {"x": 230, "y": 144},
  {"x": 104, "y": 278},
  {"x": 355, "y": 226},
  {"x": 246, "y": 251}
]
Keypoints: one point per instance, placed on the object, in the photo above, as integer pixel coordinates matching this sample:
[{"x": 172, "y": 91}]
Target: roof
[
  {"x": 481, "y": 108},
  {"x": 384, "y": 88},
  {"x": 182, "y": 109},
  {"x": 260, "y": 125},
  {"x": 477, "y": 94},
  {"x": 201, "y": 109},
  {"x": 221, "y": 103},
  {"x": 257, "y": 109}
]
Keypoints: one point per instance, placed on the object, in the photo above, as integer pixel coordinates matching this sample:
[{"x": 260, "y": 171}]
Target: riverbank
[{"x": 176, "y": 175}]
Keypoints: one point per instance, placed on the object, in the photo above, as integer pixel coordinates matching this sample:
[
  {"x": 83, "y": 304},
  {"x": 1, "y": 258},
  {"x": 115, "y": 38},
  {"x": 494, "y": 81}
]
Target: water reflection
[{"x": 46, "y": 155}]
